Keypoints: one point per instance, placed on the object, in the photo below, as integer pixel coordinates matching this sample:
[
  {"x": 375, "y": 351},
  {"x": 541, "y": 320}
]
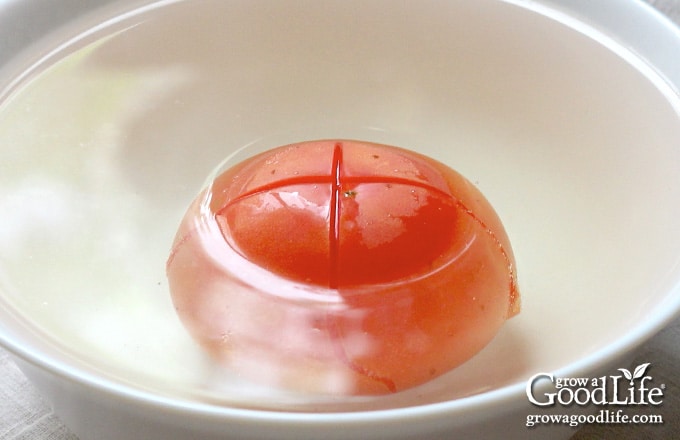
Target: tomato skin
[{"x": 342, "y": 267}]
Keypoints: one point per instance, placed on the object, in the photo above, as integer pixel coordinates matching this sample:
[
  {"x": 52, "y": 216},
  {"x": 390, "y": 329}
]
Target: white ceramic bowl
[{"x": 564, "y": 113}]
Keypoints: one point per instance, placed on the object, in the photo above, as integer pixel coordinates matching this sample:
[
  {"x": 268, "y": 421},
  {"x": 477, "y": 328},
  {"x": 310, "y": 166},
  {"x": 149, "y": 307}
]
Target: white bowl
[{"x": 564, "y": 113}]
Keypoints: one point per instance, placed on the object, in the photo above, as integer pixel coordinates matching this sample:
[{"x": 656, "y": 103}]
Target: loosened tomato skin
[
  {"x": 342, "y": 267},
  {"x": 284, "y": 230}
]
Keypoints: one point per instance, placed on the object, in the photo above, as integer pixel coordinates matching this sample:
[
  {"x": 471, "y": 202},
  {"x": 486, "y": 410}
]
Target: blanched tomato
[{"x": 342, "y": 267}]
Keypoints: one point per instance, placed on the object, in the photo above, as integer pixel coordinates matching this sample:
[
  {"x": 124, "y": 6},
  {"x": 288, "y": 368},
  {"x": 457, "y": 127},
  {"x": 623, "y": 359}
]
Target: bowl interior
[{"x": 106, "y": 142}]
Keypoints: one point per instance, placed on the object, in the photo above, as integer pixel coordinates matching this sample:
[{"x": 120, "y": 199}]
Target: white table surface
[{"x": 25, "y": 416}]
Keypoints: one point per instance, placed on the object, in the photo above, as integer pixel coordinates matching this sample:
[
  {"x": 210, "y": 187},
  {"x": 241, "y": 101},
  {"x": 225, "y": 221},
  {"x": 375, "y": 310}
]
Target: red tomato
[{"x": 342, "y": 267}]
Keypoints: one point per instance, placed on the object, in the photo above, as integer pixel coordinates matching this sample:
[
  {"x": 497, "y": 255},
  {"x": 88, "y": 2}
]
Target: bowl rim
[{"x": 661, "y": 37}]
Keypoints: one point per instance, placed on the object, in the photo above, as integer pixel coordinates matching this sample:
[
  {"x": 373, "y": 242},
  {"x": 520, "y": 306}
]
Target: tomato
[{"x": 342, "y": 267}]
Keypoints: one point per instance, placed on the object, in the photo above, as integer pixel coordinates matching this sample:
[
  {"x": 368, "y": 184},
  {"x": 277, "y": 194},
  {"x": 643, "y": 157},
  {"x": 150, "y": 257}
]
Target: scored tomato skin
[{"x": 342, "y": 267}]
